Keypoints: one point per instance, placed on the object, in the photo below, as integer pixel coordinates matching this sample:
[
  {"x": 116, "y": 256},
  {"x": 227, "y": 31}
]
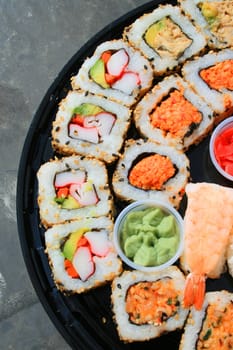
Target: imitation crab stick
[{"x": 207, "y": 225}]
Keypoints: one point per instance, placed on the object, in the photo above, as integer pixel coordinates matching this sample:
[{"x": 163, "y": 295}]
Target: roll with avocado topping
[
  {"x": 166, "y": 37},
  {"x": 147, "y": 170},
  {"x": 146, "y": 305}
]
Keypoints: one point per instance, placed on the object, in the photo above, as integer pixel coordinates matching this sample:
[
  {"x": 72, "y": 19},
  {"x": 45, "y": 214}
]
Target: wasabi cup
[{"x": 139, "y": 206}]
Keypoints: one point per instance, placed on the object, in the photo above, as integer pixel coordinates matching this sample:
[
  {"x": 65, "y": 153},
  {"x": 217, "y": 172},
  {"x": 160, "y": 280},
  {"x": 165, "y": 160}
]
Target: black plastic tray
[{"x": 85, "y": 321}]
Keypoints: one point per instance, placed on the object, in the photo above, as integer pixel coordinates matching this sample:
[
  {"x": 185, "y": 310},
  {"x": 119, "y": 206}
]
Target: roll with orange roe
[
  {"x": 172, "y": 114},
  {"x": 211, "y": 76},
  {"x": 147, "y": 170}
]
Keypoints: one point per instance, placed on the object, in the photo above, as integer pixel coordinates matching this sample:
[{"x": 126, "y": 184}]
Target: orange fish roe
[
  {"x": 219, "y": 76},
  {"x": 175, "y": 115},
  {"x": 152, "y": 172},
  {"x": 152, "y": 302},
  {"x": 217, "y": 331}
]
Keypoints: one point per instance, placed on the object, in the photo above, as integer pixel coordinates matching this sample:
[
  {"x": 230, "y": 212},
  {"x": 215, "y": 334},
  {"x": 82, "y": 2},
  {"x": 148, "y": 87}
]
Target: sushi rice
[
  {"x": 135, "y": 34},
  {"x": 105, "y": 268},
  {"x": 107, "y": 148},
  {"x": 129, "y": 331},
  {"x": 51, "y": 212},
  {"x": 149, "y": 103},
  {"x": 137, "y": 64}
]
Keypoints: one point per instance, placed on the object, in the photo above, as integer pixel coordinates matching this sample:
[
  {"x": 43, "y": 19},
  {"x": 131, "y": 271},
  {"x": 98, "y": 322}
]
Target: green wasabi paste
[{"x": 149, "y": 237}]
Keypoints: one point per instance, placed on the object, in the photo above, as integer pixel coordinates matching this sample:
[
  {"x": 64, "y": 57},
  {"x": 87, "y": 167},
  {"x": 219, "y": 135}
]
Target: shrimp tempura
[{"x": 207, "y": 225}]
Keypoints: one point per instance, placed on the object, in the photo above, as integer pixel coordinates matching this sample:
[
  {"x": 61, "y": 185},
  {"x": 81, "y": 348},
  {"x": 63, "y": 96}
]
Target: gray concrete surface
[{"x": 37, "y": 38}]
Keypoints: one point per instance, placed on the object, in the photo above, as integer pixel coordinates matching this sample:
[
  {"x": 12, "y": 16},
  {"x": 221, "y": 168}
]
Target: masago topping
[
  {"x": 152, "y": 172},
  {"x": 219, "y": 76},
  {"x": 176, "y": 115}
]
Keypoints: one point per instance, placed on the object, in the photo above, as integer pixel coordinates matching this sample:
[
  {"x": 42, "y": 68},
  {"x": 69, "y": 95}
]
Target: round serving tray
[{"x": 85, "y": 320}]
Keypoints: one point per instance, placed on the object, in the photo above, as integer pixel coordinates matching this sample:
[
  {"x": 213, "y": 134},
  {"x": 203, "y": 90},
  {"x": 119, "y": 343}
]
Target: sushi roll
[
  {"x": 211, "y": 76},
  {"x": 90, "y": 125},
  {"x": 172, "y": 114},
  {"x": 146, "y": 305},
  {"x": 166, "y": 37},
  {"x": 147, "y": 170},
  {"x": 215, "y": 18},
  {"x": 211, "y": 327},
  {"x": 115, "y": 71},
  {"x": 73, "y": 188},
  {"x": 81, "y": 254}
]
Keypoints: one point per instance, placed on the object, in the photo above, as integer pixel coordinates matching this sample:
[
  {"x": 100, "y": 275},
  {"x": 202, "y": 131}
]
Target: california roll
[
  {"x": 116, "y": 71},
  {"x": 72, "y": 188},
  {"x": 90, "y": 125},
  {"x": 81, "y": 254}
]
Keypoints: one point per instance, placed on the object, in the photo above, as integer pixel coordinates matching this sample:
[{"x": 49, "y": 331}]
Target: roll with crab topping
[
  {"x": 72, "y": 188},
  {"x": 147, "y": 170},
  {"x": 214, "y": 17},
  {"x": 211, "y": 76},
  {"x": 211, "y": 327},
  {"x": 81, "y": 254},
  {"x": 146, "y": 305},
  {"x": 172, "y": 114},
  {"x": 116, "y": 71},
  {"x": 166, "y": 37},
  {"x": 90, "y": 125}
]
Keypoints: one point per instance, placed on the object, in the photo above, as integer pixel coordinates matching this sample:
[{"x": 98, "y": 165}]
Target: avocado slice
[
  {"x": 97, "y": 73},
  {"x": 153, "y": 30},
  {"x": 209, "y": 11},
  {"x": 70, "y": 203},
  {"x": 71, "y": 243},
  {"x": 87, "y": 109}
]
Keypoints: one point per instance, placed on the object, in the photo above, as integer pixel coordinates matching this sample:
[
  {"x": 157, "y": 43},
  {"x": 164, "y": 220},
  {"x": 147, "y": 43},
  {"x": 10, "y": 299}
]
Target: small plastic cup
[
  {"x": 224, "y": 125},
  {"x": 141, "y": 205}
]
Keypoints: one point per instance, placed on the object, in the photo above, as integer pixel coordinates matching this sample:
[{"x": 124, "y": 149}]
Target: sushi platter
[{"x": 94, "y": 145}]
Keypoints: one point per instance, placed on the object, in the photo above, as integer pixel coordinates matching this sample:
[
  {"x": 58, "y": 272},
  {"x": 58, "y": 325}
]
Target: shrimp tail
[{"x": 194, "y": 291}]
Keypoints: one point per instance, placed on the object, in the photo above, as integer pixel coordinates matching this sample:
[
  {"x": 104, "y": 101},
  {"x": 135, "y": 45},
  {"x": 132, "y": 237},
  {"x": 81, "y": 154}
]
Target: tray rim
[{"x": 25, "y": 152}]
